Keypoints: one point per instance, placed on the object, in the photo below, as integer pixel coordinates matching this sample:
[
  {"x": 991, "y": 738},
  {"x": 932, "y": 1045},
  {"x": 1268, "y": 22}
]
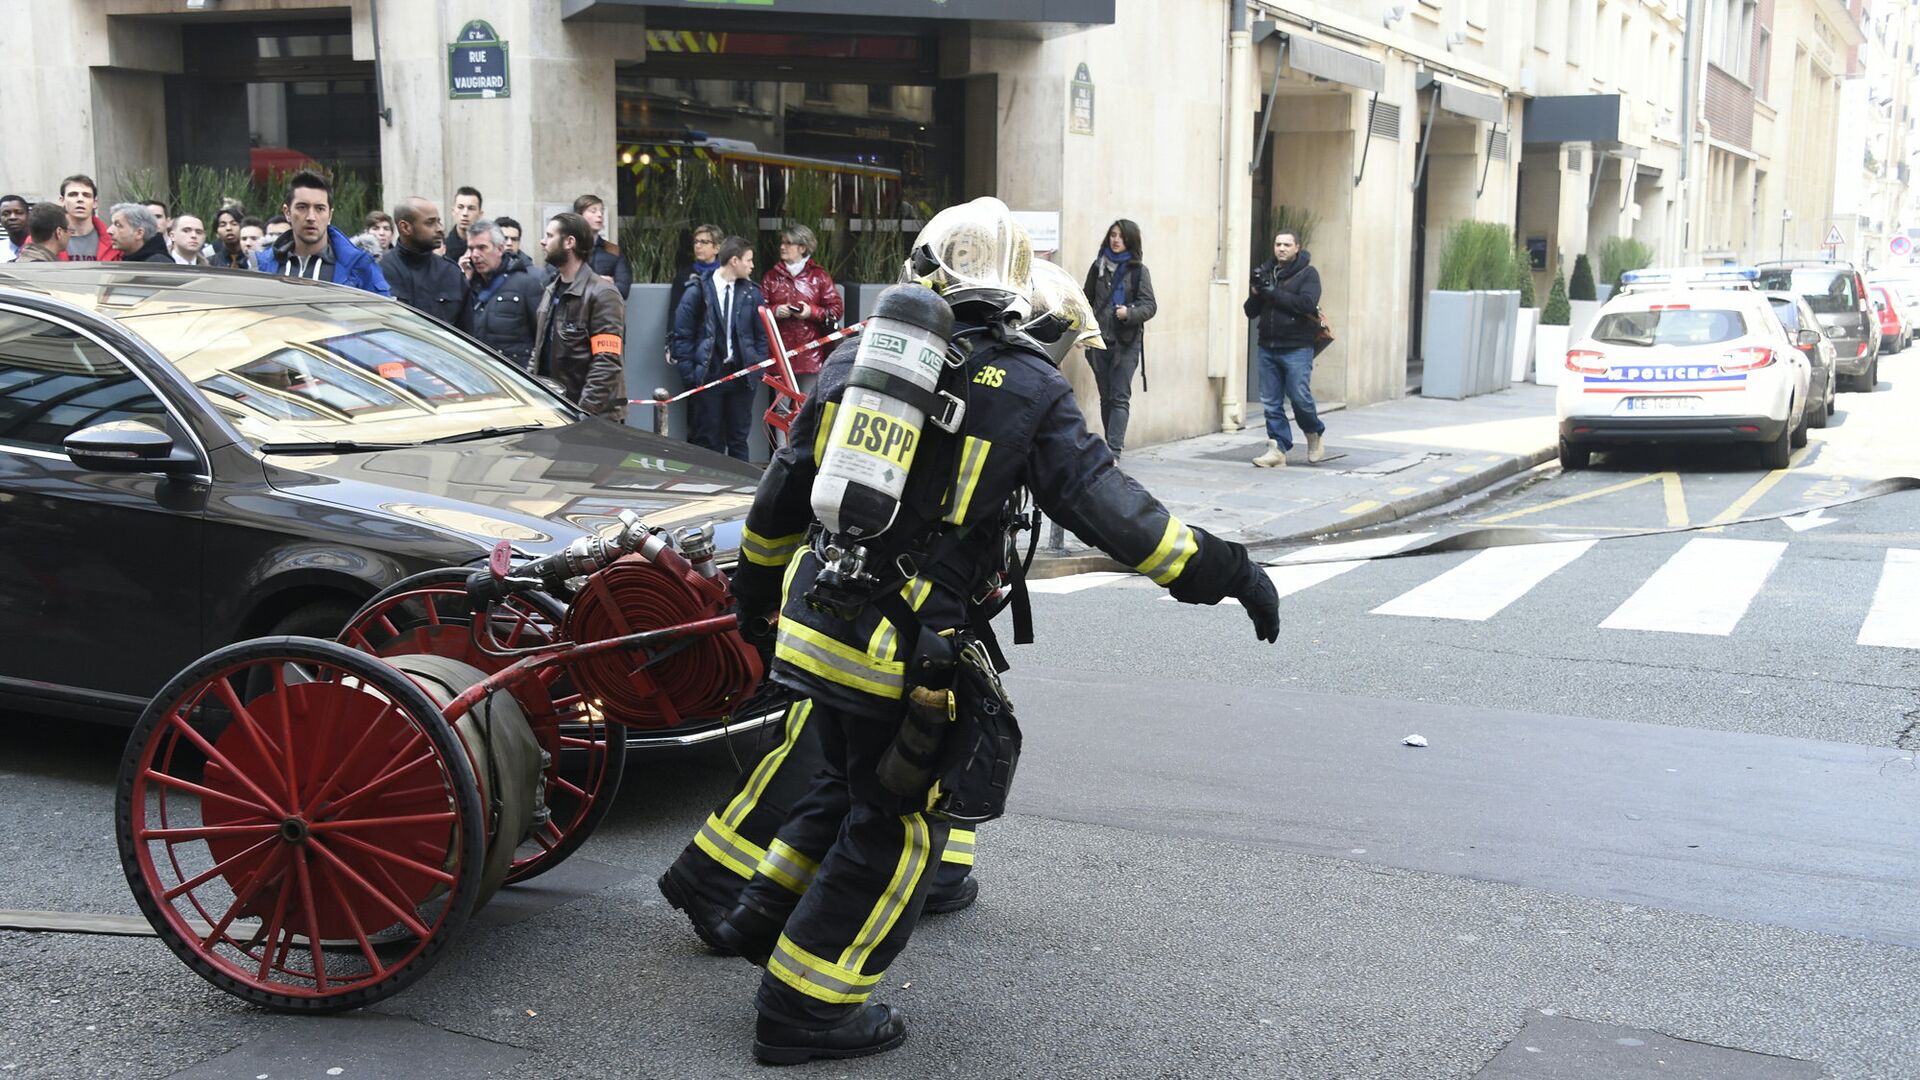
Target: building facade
[{"x": 1208, "y": 122}]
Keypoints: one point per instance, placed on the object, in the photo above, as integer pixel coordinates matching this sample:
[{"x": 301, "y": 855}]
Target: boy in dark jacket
[
  {"x": 1285, "y": 299},
  {"x": 718, "y": 331}
]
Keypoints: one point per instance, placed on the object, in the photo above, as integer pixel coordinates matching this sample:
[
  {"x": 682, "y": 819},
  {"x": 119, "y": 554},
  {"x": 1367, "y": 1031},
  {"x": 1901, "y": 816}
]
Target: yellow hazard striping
[
  {"x": 1571, "y": 499},
  {"x": 1361, "y": 507},
  {"x": 1765, "y": 484},
  {"x": 1676, "y": 500}
]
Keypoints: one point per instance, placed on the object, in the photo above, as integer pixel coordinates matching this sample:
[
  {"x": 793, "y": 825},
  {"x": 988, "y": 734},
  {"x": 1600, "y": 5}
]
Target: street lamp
[{"x": 1786, "y": 215}]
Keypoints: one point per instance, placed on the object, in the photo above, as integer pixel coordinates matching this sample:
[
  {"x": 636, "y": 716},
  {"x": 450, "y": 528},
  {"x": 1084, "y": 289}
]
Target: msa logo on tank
[{"x": 894, "y": 381}]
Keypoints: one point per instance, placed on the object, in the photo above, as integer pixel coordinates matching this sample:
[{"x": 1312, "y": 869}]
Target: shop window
[
  {"x": 818, "y": 92},
  {"x": 880, "y": 98}
]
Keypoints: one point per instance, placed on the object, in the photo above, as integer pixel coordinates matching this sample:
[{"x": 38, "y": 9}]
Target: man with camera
[{"x": 1285, "y": 301}]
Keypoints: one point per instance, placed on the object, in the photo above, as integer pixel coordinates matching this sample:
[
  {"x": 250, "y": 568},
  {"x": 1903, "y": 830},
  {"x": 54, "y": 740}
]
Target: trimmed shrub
[
  {"x": 1580, "y": 286},
  {"x": 1558, "y": 312},
  {"x": 1477, "y": 255}
]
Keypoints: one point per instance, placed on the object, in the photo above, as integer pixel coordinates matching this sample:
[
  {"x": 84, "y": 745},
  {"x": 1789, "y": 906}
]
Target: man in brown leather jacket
[{"x": 579, "y": 337}]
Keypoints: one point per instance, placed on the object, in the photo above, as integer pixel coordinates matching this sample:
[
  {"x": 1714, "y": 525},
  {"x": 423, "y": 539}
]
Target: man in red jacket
[{"x": 86, "y": 233}]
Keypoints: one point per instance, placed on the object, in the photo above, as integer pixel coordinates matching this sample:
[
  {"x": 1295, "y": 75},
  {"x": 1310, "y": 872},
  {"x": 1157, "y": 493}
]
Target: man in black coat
[
  {"x": 136, "y": 233},
  {"x": 419, "y": 278},
  {"x": 503, "y": 296},
  {"x": 1285, "y": 301}
]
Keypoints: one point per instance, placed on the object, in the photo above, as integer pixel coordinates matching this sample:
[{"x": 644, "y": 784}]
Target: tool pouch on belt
[{"x": 977, "y": 759}]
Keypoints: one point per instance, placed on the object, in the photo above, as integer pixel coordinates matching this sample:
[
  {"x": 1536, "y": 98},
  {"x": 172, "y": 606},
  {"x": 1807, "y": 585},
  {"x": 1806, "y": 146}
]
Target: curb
[{"x": 1045, "y": 566}]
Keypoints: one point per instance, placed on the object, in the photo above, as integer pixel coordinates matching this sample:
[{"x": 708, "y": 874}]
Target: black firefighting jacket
[{"x": 1022, "y": 428}]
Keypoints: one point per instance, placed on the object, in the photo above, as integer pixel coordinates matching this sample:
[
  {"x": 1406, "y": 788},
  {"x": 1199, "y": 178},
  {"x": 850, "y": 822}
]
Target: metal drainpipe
[
  {"x": 379, "y": 85},
  {"x": 1239, "y": 204}
]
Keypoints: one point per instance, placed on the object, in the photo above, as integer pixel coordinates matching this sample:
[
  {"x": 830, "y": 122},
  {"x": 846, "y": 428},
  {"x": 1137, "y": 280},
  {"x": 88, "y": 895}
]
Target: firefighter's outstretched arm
[{"x": 1077, "y": 483}]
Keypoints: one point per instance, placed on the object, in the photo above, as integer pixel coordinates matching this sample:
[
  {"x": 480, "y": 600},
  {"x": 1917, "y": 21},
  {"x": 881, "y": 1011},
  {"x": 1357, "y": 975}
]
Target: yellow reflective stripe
[
  {"x": 973, "y": 461},
  {"x": 826, "y": 428},
  {"x": 1177, "y": 545},
  {"x": 728, "y": 848},
  {"x": 915, "y": 592},
  {"x": 818, "y": 978},
  {"x": 837, "y": 662},
  {"x": 787, "y": 866},
  {"x": 959, "y": 847},
  {"x": 743, "y": 803},
  {"x": 762, "y": 551},
  {"x": 916, "y": 847}
]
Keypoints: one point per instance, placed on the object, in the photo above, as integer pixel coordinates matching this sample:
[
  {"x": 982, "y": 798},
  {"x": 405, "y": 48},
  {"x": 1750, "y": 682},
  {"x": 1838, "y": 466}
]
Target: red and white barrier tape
[{"x": 831, "y": 339}]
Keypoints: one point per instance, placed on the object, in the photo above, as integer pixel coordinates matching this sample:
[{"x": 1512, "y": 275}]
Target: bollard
[{"x": 660, "y": 397}]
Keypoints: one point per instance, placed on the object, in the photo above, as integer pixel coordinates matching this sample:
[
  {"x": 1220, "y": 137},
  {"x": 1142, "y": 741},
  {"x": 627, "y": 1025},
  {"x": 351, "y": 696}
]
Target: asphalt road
[{"x": 1663, "y": 826}]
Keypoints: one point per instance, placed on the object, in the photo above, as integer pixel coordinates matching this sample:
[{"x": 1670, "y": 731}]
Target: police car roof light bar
[{"x": 1691, "y": 277}]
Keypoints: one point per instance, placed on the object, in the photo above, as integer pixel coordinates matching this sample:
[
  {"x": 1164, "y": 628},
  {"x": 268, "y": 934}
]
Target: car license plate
[{"x": 1662, "y": 405}]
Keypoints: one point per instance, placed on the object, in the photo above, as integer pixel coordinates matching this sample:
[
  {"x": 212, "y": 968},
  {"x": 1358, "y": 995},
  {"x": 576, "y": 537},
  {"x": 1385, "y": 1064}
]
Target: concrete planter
[
  {"x": 1526, "y": 321},
  {"x": 1584, "y": 314},
  {"x": 649, "y": 318},
  {"x": 1468, "y": 342},
  {"x": 1550, "y": 354}
]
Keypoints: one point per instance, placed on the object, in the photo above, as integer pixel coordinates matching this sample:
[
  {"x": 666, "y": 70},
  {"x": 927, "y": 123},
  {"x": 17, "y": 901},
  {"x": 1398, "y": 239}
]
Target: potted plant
[
  {"x": 1468, "y": 342},
  {"x": 1550, "y": 340},
  {"x": 1618, "y": 255}
]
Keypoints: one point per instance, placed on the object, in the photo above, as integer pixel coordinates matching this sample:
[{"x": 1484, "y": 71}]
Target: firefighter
[
  {"x": 836, "y": 893},
  {"x": 705, "y": 881}
]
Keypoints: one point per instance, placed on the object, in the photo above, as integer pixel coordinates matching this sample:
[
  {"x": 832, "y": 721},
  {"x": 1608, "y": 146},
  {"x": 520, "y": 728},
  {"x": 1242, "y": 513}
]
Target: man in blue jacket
[
  {"x": 719, "y": 328},
  {"x": 313, "y": 248}
]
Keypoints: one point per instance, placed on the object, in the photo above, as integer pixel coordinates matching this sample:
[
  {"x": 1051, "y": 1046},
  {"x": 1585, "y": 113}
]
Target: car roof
[
  {"x": 1706, "y": 297},
  {"x": 130, "y": 290},
  {"x": 1808, "y": 264}
]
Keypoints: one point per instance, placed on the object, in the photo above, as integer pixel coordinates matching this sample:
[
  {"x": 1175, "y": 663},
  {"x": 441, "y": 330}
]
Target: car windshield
[
  {"x": 1828, "y": 292},
  {"x": 1672, "y": 326},
  {"x": 1788, "y": 311},
  {"x": 344, "y": 372}
]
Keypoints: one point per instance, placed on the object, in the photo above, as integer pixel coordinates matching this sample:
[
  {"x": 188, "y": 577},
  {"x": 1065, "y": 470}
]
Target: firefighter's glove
[{"x": 1255, "y": 591}]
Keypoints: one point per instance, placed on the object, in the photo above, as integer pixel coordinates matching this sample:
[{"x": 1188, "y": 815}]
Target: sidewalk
[{"x": 1384, "y": 462}]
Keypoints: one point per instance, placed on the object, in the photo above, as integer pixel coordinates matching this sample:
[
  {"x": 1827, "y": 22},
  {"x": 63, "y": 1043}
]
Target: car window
[
  {"x": 344, "y": 371},
  {"x": 1788, "y": 311},
  {"x": 1828, "y": 292},
  {"x": 54, "y": 382},
  {"x": 1673, "y": 326}
]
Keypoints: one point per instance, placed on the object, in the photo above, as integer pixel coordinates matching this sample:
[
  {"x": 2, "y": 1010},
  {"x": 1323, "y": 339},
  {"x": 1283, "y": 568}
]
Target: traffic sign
[
  {"x": 1833, "y": 237},
  {"x": 1900, "y": 246}
]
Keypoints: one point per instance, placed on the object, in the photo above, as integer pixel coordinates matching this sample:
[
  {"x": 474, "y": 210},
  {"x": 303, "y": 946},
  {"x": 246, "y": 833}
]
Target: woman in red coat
[{"x": 805, "y": 305}]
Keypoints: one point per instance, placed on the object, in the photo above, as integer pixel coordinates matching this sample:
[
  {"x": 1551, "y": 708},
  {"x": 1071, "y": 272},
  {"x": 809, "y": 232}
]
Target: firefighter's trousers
[
  {"x": 734, "y": 840},
  {"x": 849, "y": 911}
]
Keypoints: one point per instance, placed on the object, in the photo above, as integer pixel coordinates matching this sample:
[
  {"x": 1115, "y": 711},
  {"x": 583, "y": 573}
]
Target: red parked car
[{"x": 1894, "y": 332}]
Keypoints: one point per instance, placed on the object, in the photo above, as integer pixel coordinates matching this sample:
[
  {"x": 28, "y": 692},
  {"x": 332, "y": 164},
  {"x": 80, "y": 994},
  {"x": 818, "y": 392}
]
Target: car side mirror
[
  {"x": 1806, "y": 339},
  {"x": 128, "y": 446}
]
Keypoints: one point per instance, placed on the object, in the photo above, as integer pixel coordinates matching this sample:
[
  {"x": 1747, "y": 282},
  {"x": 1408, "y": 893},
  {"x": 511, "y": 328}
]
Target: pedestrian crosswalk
[{"x": 1705, "y": 587}]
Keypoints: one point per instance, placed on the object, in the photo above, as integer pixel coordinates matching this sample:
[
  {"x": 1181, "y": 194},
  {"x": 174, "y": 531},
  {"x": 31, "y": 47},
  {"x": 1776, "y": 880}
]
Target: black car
[
  {"x": 1838, "y": 296},
  {"x": 274, "y": 452}
]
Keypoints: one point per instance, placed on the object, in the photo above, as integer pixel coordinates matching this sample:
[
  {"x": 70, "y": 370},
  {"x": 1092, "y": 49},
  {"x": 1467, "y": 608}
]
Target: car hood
[{"x": 538, "y": 489}]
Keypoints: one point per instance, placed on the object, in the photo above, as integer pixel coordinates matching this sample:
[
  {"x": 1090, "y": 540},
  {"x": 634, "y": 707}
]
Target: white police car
[{"x": 1685, "y": 356}]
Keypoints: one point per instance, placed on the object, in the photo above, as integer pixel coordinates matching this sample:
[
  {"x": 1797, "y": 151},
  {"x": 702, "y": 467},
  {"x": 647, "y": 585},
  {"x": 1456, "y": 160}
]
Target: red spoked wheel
[
  {"x": 428, "y": 613},
  {"x": 311, "y": 846}
]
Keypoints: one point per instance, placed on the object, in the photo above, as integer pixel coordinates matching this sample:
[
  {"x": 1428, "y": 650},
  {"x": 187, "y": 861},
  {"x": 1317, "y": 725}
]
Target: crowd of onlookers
[{"x": 565, "y": 321}]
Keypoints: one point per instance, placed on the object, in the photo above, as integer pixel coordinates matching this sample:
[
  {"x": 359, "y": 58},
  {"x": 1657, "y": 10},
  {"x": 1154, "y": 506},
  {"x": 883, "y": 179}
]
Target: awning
[
  {"x": 1461, "y": 101},
  {"x": 1085, "y": 12},
  {"x": 1588, "y": 118},
  {"x": 1336, "y": 65}
]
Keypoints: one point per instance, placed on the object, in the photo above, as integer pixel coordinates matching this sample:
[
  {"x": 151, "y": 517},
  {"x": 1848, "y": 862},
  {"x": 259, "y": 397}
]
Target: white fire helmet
[
  {"x": 975, "y": 253},
  {"x": 1062, "y": 316}
]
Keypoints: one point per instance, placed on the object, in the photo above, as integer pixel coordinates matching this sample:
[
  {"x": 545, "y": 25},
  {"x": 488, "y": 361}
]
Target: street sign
[
  {"x": 477, "y": 63},
  {"x": 1900, "y": 246},
  {"x": 1080, "y": 102},
  {"x": 1833, "y": 237}
]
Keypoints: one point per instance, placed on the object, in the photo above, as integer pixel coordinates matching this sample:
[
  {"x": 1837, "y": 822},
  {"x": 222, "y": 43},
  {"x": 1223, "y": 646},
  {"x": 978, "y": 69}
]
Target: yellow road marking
[
  {"x": 1582, "y": 497},
  {"x": 1439, "y": 479},
  {"x": 1403, "y": 491},
  {"x": 1466, "y": 468},
  {"x": 1361, "y": 507},
  {"x": 1676, "y": 499},
  {"x": 1765, "y": 484}
]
